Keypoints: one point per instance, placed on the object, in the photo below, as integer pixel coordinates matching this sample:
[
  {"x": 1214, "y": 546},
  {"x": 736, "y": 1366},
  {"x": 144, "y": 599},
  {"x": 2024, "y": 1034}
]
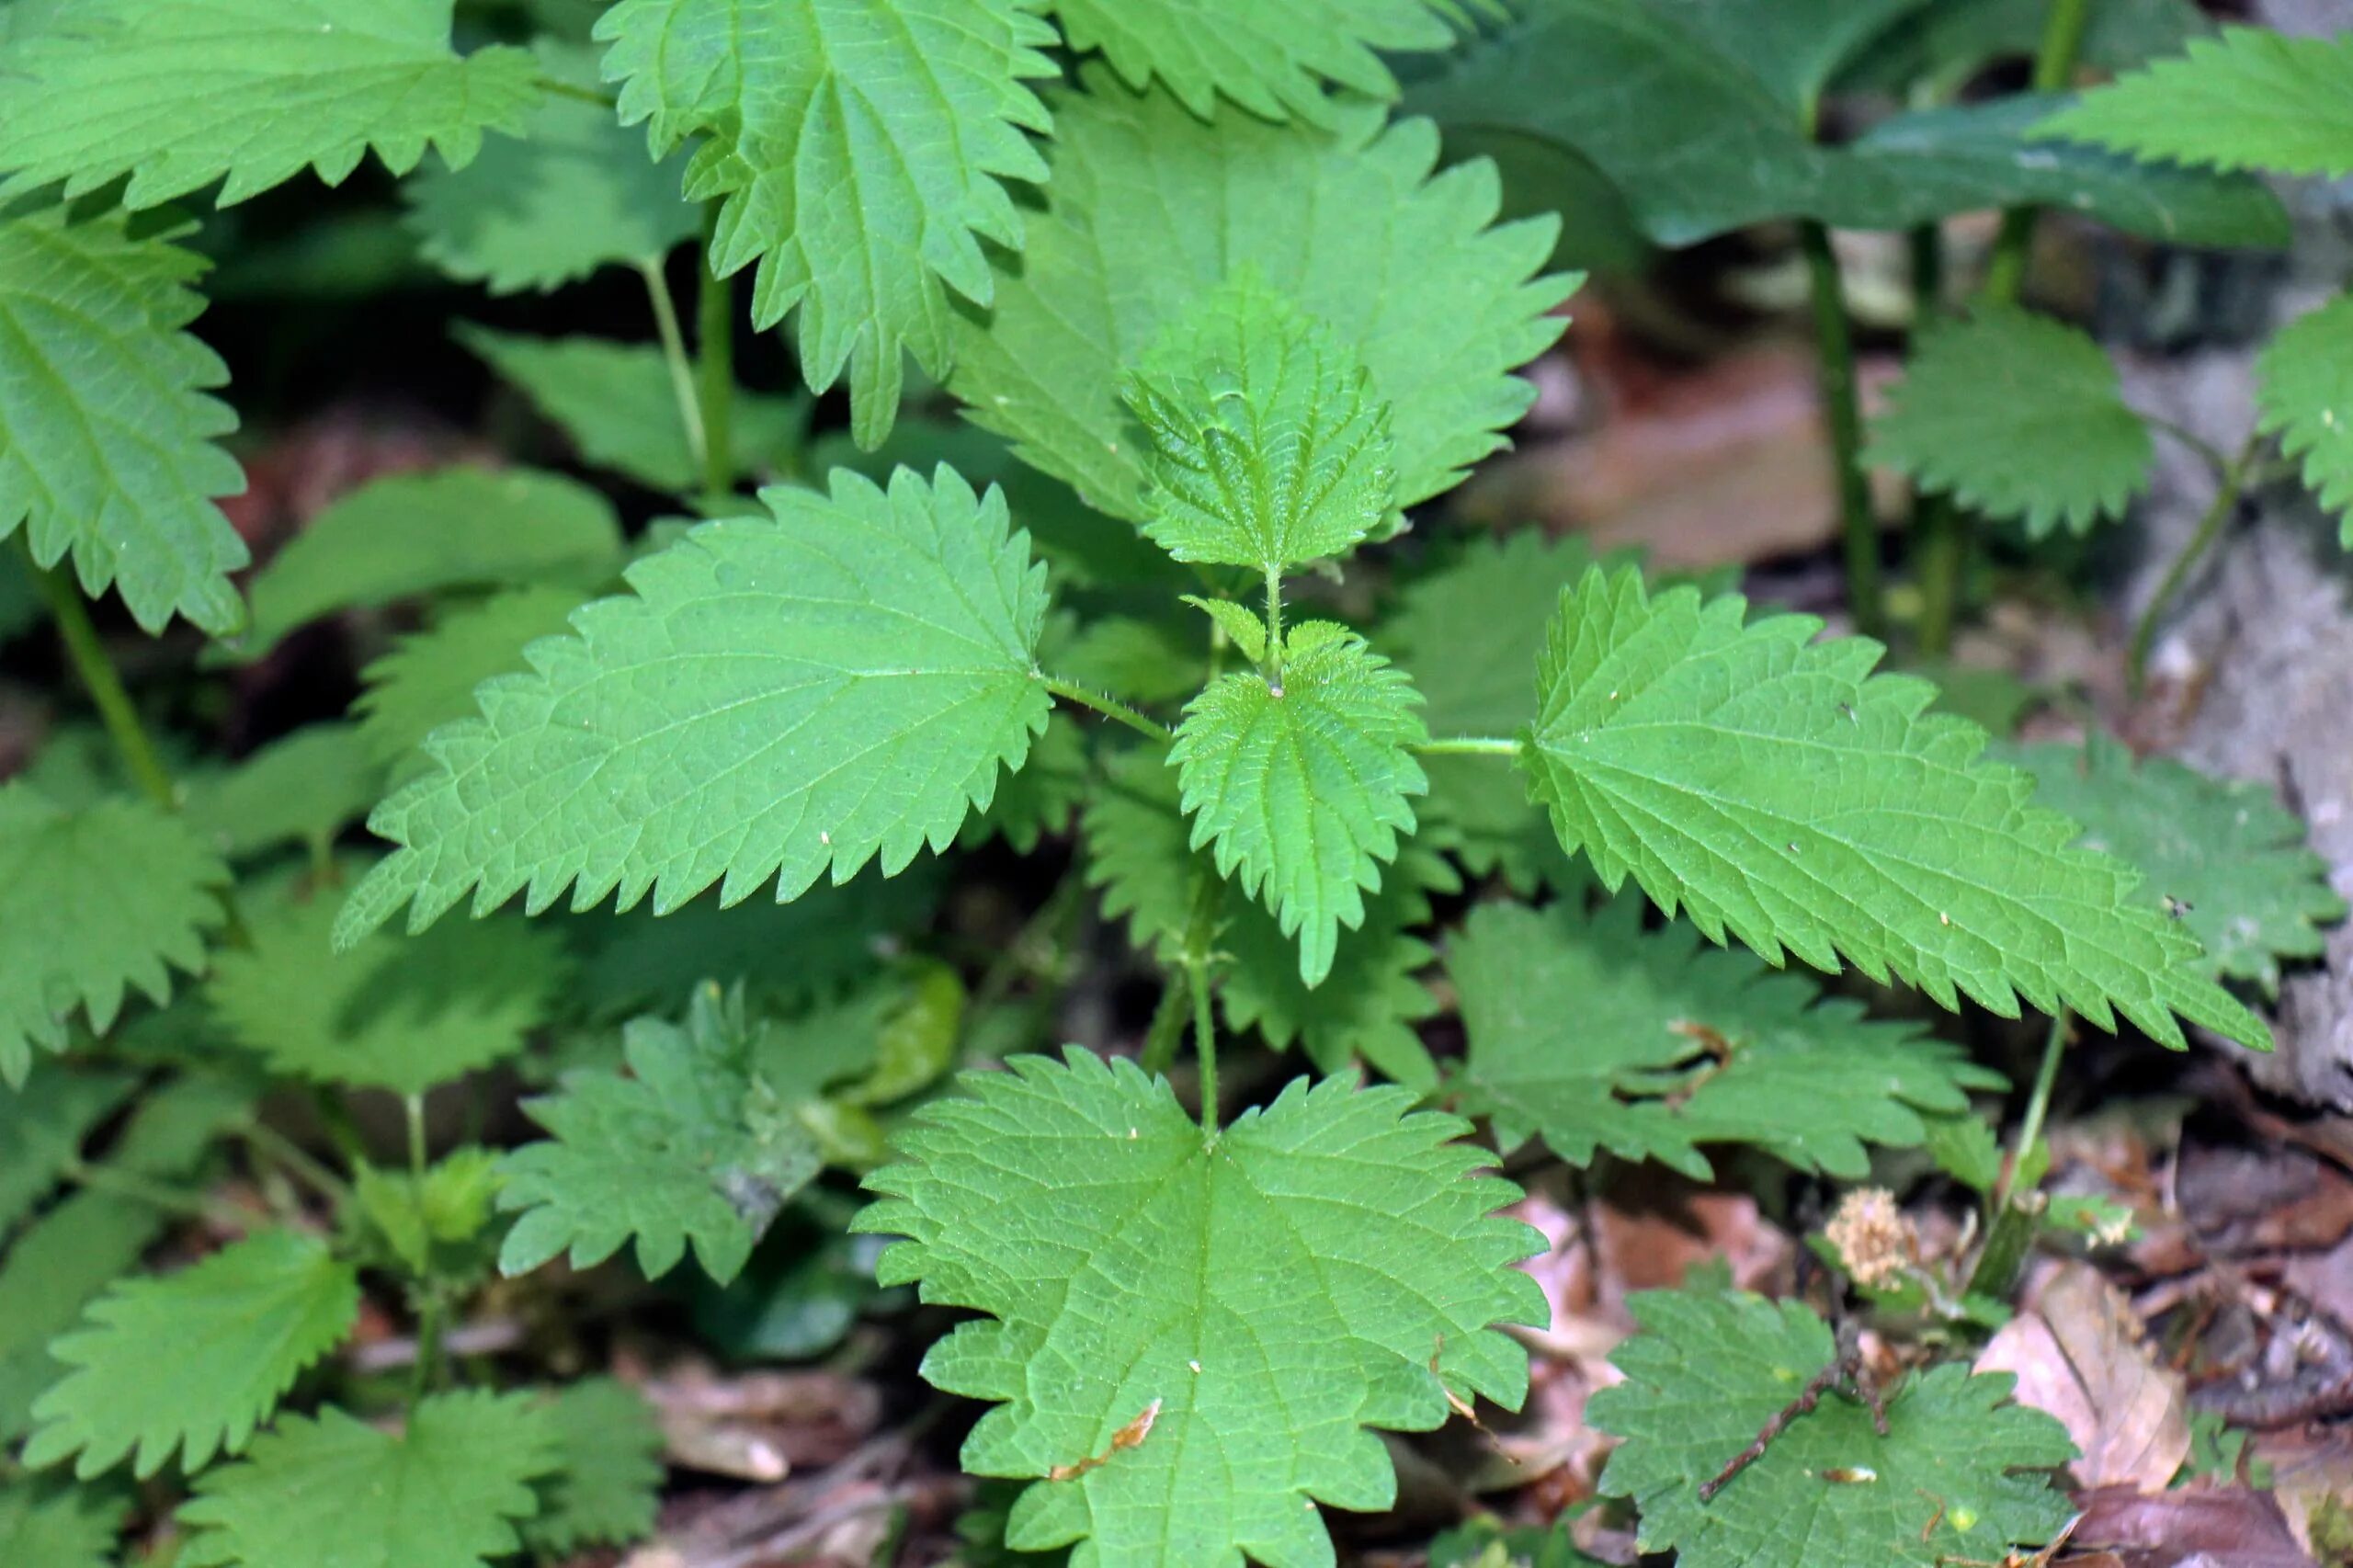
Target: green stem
[
  {"x": 268, "y": 1141},
  {"x": 560, "y": 89},
  {"x": 1834, "y": 347},
  {"x": 1943, "y": 534},
  {"x": 413, "y": 1109},
  {"x": 2216, "y": 458},
  {"x": 1468, "y": 745},
  {"x": 88, "y": 654},
  {"x": 140, "y": 1189},
  {"x": 2037, "y": 1106},
  {"x": 674, "y": 355},
  {"x": 715, "y": 338},
  {"x": 1275, "y": 629},
  {"x": 1201, "y": 935},
  {"x": 1109, "y": 707},
  {"x": 426, "y": 1373},
  {"x": 1927, "y": 245},
  {"x": 2054, "y": 65},
  {"x": 2209, "y": 528},
  {"x": 1167, "y": 1027}
]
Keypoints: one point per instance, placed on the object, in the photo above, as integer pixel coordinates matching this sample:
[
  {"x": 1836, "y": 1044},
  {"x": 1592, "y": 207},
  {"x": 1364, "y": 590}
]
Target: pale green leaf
[
  {"x": 2251, "y": 99},
  {"x": 417, "y": 1216},
  {"x": 574, "y": 193},
  {"x": 1737, "y": 149},
  {"x": 42, "y": 1128},
  {"x": 775, "y": 698},
  {"x": 301, "y": 788},
  {"x": 1464, "y": 631},
  {"x": 61, "y": 1261},
  {"x": 421, "y": 533},
  {"x": 1952, "y": 1480},
  {"x": 619, "y": 404},
  {"x": 2304, "y": 390},
  {"x": 1272, "y": 57},
  {"x": 1236, "y": 625},
  {"x": 446, "y": 1493},
  {"x": 1150, "y": 209},
  {"x": 1197, "y": 1333},
  {"x": 45, "y": 1524},
  {"x": 194, "y": 1360},
  {"x": 2222, "y": 857},
  {"x": 106, "y": 428},
  {"x": 860, "y": 147},
  {"x": 1772, "y": 788},
  {"x": 2019, "y": 417},
  {"x": 93, "y": 903},
  {"x": 1268, "y": 448},
  {"x": 691, "y": 1147},
  {"x": 428, "y": 678},
  {"x": 1301, "y": 789},
  {"x": 178, "y": 93},
  {"x": 398, "y": 1013},
  {"x": 1592, "y": 1032},
  {"x": 607, "y": 1480}
]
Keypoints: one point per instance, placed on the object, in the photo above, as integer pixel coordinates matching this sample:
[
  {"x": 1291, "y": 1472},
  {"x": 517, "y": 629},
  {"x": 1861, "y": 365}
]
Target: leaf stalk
[
  {"x": 1842, "y": 411},
  {"x": 1109, "y": 707},
  {"x": 715, "y": 341},
  {"x": 2219, "y": 513}
]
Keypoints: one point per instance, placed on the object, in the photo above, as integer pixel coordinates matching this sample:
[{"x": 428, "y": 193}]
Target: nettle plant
[{"x": 1217, "y": 321}]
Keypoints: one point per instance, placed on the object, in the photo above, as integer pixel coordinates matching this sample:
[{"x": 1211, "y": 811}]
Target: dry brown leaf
[
  {"x": 2210, "y": 1527},
  {"x": 2079, "y": 1357}
]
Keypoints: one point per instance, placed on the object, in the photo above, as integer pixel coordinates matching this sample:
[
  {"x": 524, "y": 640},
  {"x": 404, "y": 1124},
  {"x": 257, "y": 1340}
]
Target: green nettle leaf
[
  {"x": 398, "y": 1013},
  {"x": 421, "y": 533},
  {"x": 2016, "y": 415},
  {"x": 620, "y": 407},
  {"x": 1272, "y": 57},
  {"x": 1771, "y": 786},
  {"x": 1710, "y": 1368},
  {"x": 1592, "y": 1032},
  {"x": 42, "y": 1128},
  {"x": 915, "y": 109},
  {"x": 1738, "y": 149},
  {"x": 43, "y": 1524},
  {"x": 105, "y": 431},
  {"x": 62, "y": 1260},
  {"x": 1192, "y": 1336},
  {"x": 428, "y": 678},
  {"x": 1464, "y": 630},
  {"x": 1150, "y": 209},
  {"x": 1268, "y": 448},
  {"x": 575, "y": 194},
  {"x": 2223, "y": 856},
  {"x": 93, "y": 903},
  {"x": 775, "y": 698},
  {"x": 447, "y": 1493},
  {"x": 2251, "y": 99},
  {"x": 1042, "y": 798},
  {"x": 301, "y": 790},
  {"x": 607, "y": 1482},
  {"x": 1302, "y": 787},
  {"x": 178, "y": 93},
  {"x": 691, "y": 1147},
  {"x": 2305, "y": 393},
  {"x": 194, "y": 1361}
]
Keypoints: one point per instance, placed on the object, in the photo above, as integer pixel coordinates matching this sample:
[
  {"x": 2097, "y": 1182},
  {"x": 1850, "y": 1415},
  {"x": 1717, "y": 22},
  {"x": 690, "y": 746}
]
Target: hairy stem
[
  {"x": 1200, "y": 936},
  {"x": 1468, "y": 745},
  {"x": 715, "y": 339},
  {"x": 1108, "y": 705},
  {"x": 1275, "y": 629},
  {"x": 1835, "y": 348},
  {"x": 1168, "y": 1028},
  {"x": 675, "y": 356},
  {"x": 2054, "y": 64},
  {"x": 2209, "y": 528},
  {"x": 100, "y": 679}
]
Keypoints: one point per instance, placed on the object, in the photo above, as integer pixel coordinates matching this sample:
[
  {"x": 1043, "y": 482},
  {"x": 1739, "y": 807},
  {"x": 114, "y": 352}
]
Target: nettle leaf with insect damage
[
  {"x": 777, "y": 698},
  {"x": 919, "y": 106},
  {"x": 193, "y": 1361},
  {"x": 1952, "y": 1478},
  {"x": 1272, "y": 57},
  {"x": 2304, "y": 391},
  {"x": 448, "y": 1491},
  {"x": 2223, "y": 857},
  {"x": 178, "y": 94},
  {"x": 107, "y": 424},
  {"x": 93, "y": 904},
  {"x": 1769, "y": 786},
  {"x": 2251, "y": 99},
  {"x": 1594, "y": 1033},
  {"x": 1191, "y": 1335},
  {"x": 2016, "y": 415},
  {"x": 689, "y": 1146}
]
